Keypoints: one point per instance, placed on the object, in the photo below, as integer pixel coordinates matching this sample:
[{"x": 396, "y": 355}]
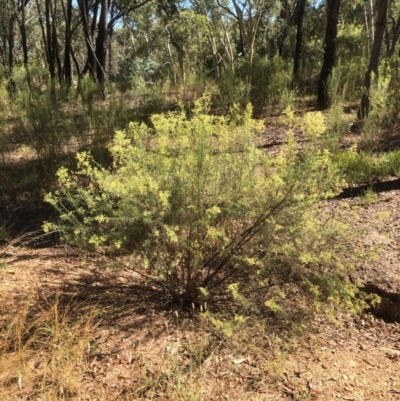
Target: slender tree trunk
[
  {"x": 284, "y": 22},
  {"x": 22, "y": 28},
  {"x": 227, "y": 44},
  {"x": 11, "y": 42},
  {"x": 39, "y": 11},
  {"x": 78, "y": 71},
  {"x": 11, "y": 46},
  {"x": 371, "y": 20},
  {"x": 395, "y": 37},
  {"x": 67, "y": 46},
  {"x": 373, "y": 67},
  {"x": 110, "y": 50},
  {"x": 324, "y": 100},
  {"x": 110, "y": 38},
  {"x": 88, "y": 31},
  {"x": 50, "y": 50},
  {"x": 54, "y": 39},
  {"x": 101, "y": 46},
  {"x": 3, "y": 50},
  {"x": 301, "y": 5},
  {"x": 181, "y": 56},
  {"x": 367, "y": 27},
  {"x": 213, "y": 45}
]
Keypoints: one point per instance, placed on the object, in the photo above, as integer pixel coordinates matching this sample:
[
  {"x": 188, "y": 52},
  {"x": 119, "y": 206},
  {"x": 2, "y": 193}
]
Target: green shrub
[
  {"x": 361, "y": 166},
  {"x": 270, "y": 85},
  {"x": 337, "y": 127},
  {"x": 201, "y": 207},
  {"x": 42, "y": 123},
  {"x": 231, "y": 90},
  {"x": 134, "y": 72}
]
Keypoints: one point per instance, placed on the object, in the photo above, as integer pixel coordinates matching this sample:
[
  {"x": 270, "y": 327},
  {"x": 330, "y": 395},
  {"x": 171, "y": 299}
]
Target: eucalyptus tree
[
  {"x": 7, "y": 32},
  {"x": 141, "y": 48},
  {"x": 333, "y": 7},
  {"x": 298, "y": 20},
  {"x": 381, "y": 22},
  {"x": 187, "y": 33},
  {"x": 97, "y": 26},
  {"x": 218, "y": 34},
  {"x": 393, "y": 28},
  {"x": 13, "y": 16},
  {"x": 48, "y": 18},
  {"x": 68, "y": 52},
  {"x": 284, "y": 21},
  {"x": 19, "y": 9},
  {"x": 248, "y": 15}
]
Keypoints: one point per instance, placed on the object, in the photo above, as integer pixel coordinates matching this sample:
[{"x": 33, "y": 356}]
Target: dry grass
[
  {"x": 43, "y": 349},
  {"x": 53, "y": 347}
]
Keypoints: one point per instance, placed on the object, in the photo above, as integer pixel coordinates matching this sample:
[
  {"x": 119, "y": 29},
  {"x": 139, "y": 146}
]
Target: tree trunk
[
  {"x": 54, "y": 39},
  {"x": 110, "y": 40},
  {"x": 67, "y": 46},
  {"x": 101, "y": 46},
  {"x": 49, "y": 44},
  {"x": 89, "y": 14},
  {"x": 22, "y": 29},
  {"x": 395, "y": 37},
  {"x": 11, "y": 43},
  {"x": 373, "y": 67},
  {"x": 11, "y": 46},
  {"x": 284, "y": 21},
  {"x": 301, "y": 5},
  {"x": 213, "y": 45},
  {"x": 324, "y": 99},
  {"x": 371, "y": 20},
  {"x": 181, "y": 55},
  {"x": 367, "y": 26}
]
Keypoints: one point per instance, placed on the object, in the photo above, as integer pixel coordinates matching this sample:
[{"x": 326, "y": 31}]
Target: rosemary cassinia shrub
[{"x": 202, "y": 206}]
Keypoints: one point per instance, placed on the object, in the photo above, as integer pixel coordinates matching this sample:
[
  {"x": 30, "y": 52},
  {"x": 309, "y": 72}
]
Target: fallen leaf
[{"x": 239, "y": 361}]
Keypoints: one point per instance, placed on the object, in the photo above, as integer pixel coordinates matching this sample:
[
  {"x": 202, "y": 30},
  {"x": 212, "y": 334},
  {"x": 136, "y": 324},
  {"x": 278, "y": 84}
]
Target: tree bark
[
  {"x": 371, "y": 20},
  {"x": 373, "y": 67},
  {"x": 67, "y": 70},
  {"x": 54, "y": 39},
  {"x": 101, "y": 46},
  {"x": 11, "y": 46},
  {"x": 22, "y": 29},
  {"x": 88, "y": 30},
  {"x": 324, "y": 99},
  {"x": 50, "y": 49},
  {"x": 299, "y": 16},
  {"x": 395, "y": 36},
  {"x": 283, "y": 17},
  {"x": 11, "y": 42}
]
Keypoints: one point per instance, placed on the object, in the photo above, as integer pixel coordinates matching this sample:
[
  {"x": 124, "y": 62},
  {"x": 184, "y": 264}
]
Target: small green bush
[
  {"x": 231, "y": 90},
  {"x": 42, "y": 123},
  {"x": 201, "y": 207},
  {"x": 361, "y": 166},
  {"x": 270, "y": 85}
]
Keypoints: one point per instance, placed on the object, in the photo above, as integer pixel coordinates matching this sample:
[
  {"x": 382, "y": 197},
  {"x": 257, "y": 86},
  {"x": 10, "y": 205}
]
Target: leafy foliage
[
  {"x": 202, "y": 205},
  {"x": 361, "y": 166}
]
